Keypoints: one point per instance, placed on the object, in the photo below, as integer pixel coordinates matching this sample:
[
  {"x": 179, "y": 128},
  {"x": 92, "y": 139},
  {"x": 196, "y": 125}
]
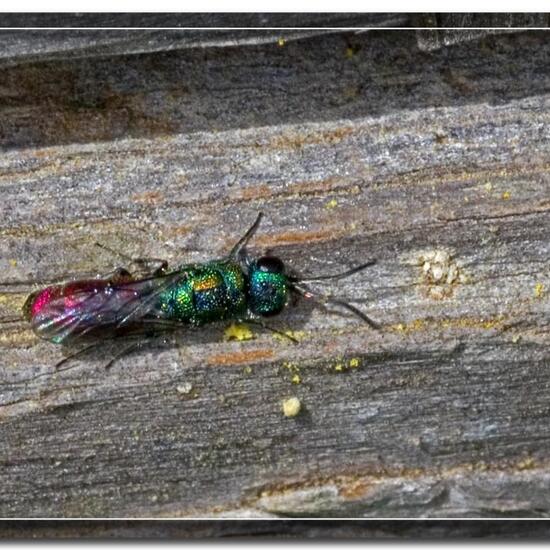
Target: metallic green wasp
[{"x": 238, "y": 287}]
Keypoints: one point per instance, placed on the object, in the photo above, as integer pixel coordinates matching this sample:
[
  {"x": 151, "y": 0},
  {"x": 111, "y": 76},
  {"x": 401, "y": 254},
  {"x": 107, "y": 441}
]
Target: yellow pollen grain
[
  {"x": 296, "y": 379},
  {"x": 506, "y": 195},
  {"x": 539, "y": 290},
  {"x": 354, "y": 363},
  {"x": 281, "y": 42},
  {"x": 333, "y": 203},
  {"x": 339, "y": 367},
  {"x": 237, "y": 332},
  {"x": 13, "y": 263},
  {"x": 291, "y": 407}
]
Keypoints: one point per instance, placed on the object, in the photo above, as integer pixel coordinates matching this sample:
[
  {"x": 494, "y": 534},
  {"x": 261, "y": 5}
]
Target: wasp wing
[{"x": 100, "y": 309}]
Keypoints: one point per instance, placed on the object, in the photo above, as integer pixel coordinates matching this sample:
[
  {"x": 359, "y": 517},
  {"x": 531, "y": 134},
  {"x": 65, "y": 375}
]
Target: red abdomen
[{"x": 60, "y": 312}]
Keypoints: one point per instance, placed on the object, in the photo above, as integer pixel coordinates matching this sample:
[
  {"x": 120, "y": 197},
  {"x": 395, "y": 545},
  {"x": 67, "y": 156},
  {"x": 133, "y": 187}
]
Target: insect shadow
[{"x": 107, "y": 353}]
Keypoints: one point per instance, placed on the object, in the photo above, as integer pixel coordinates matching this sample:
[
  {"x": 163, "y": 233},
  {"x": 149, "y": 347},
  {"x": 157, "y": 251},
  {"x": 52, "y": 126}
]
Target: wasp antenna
[
  {"x": 342, "y": 275},
  {"x": 324, "y": 299},
  {"x": 356, "y": 311},
  {"x": 243, "y": 241}
]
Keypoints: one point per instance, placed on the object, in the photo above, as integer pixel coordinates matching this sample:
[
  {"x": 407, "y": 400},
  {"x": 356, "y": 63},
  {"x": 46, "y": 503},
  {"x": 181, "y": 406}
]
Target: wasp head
[{"x": 267, "y": 286}]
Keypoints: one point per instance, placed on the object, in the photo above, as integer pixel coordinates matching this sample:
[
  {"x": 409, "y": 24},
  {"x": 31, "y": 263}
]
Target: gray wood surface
[
  {"x": 355, "y": 146},
  {"x": 270, "y": 529}
]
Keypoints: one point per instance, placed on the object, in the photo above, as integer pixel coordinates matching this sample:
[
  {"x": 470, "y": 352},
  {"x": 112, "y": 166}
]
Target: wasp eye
[{"x": 270, "y": 264}]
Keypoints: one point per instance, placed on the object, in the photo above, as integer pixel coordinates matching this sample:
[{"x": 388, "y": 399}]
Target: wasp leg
[
  {"x": 162, "y": 265},
  {"x": 264, "y": 325},
  {"x": 126, "y": 350},
  {"x": 160, "y": 270},
  {"x": 119, "y": 275},
  {"x": 76, "y": 354},
  {"x": 164, "y": 328}
]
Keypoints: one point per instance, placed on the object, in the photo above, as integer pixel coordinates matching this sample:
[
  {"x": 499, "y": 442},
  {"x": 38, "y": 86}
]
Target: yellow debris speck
[
  {"x": 237, "y": 332},
  {"x": 339, "y": 367},
  {"x": 281, "y": 42},
  {"x": 488, "y": 186},
  {"x": 247, "y": 369},
  {"x": 332, "y": 203},
  {"x": 291, "y": 406},
  {"x": 296, "y": 334},
  {"x": 539, "y": 290},
  {"x": 293, "y": 371},
  {"x": 506, "y": 195},
  {"x": 13, "y": 263},
  {"x": 354, "y": 363}
]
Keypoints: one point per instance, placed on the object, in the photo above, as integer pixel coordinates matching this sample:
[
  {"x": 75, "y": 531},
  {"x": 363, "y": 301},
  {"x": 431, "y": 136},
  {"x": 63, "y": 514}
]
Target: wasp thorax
[{"x": 267, "y": 286}]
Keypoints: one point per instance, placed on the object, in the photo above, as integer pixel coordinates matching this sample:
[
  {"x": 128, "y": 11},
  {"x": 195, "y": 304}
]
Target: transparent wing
[{"x": 101, "y": 309}]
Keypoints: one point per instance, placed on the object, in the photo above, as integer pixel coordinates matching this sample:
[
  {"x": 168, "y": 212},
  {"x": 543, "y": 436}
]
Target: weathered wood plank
[
  {"x": 158, "y": 32},
  {"x": 268, "y": 529},
  {"x": 355, "y": 146}
]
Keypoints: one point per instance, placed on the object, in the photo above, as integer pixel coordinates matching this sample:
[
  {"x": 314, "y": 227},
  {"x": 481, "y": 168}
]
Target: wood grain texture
[
  {"x": 269, "y": 529},
  {"x": 355, "y": 146}
]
